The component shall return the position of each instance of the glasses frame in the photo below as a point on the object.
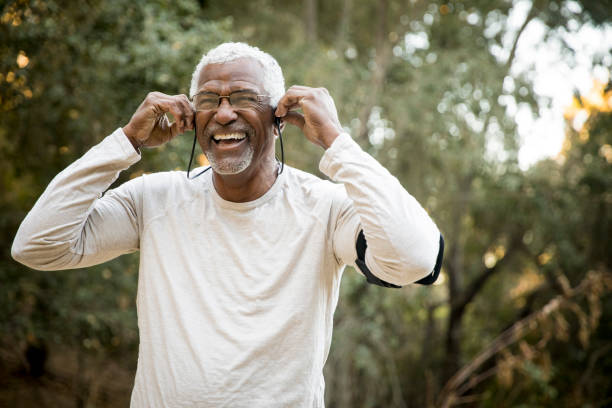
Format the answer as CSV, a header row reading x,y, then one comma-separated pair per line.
x,y
260,99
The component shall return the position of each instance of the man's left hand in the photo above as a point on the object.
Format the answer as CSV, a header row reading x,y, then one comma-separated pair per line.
x,y
319,121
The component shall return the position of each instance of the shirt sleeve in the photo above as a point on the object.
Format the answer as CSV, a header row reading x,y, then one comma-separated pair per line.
x,y
403,243
72,224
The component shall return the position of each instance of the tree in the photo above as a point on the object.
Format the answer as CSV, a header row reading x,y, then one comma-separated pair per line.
x,y
70,75
555,353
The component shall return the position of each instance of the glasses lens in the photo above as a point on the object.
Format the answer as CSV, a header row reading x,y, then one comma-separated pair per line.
x,y
244,99
206,101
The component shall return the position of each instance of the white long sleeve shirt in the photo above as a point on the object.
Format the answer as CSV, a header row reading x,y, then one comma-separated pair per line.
x,y
235,300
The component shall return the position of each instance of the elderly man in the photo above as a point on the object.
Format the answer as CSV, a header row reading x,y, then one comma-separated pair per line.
x,y
239,268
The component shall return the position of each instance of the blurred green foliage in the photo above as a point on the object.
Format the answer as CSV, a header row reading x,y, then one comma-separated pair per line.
x,y
420,87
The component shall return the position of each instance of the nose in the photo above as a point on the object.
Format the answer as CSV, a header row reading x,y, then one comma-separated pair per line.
x,y
225,112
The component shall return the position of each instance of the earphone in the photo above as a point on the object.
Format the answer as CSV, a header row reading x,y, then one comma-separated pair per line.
x,y
277,122
195,137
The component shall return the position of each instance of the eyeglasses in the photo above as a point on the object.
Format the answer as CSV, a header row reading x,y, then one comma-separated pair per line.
x,y
238,99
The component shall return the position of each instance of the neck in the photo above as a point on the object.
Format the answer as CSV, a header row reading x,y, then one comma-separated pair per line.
x,y
248,185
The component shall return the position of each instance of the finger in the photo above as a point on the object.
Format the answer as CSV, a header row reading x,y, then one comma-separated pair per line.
x,y
176,129
296,119
174,106
169,130
185,118
292,99
177,105
188,112
300,87
283,108
163,127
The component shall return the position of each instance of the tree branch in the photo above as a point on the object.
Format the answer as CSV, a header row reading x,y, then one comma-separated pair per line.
x,y
530,16
450,392
478,283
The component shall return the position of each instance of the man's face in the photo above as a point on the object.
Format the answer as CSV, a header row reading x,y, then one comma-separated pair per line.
x,y
235,139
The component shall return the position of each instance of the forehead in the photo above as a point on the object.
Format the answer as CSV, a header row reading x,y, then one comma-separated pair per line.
x,y
237,74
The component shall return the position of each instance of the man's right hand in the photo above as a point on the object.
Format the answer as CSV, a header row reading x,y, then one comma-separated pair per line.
x,y
149,126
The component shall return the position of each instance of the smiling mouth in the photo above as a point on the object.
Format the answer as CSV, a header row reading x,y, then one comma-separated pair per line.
x,y
229,138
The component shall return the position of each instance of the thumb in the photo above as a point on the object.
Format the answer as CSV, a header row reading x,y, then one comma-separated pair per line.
x,y
295,118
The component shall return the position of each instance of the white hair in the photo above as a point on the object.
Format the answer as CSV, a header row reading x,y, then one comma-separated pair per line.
x,y
273,81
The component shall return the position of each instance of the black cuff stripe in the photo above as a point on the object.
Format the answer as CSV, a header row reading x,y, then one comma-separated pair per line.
x,y
433,276
361,247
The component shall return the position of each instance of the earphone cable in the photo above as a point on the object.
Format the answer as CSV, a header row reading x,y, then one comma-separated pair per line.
x,y
195,136
280,137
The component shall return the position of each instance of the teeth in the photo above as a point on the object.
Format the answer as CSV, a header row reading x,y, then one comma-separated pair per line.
x,y
238,136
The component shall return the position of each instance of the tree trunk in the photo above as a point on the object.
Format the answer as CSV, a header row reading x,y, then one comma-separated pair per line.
x,y
455,272
343,26
460,296
81,387
379,73
310,14
453,344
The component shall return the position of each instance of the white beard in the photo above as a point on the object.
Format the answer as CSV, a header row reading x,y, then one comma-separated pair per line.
x,y
229,165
